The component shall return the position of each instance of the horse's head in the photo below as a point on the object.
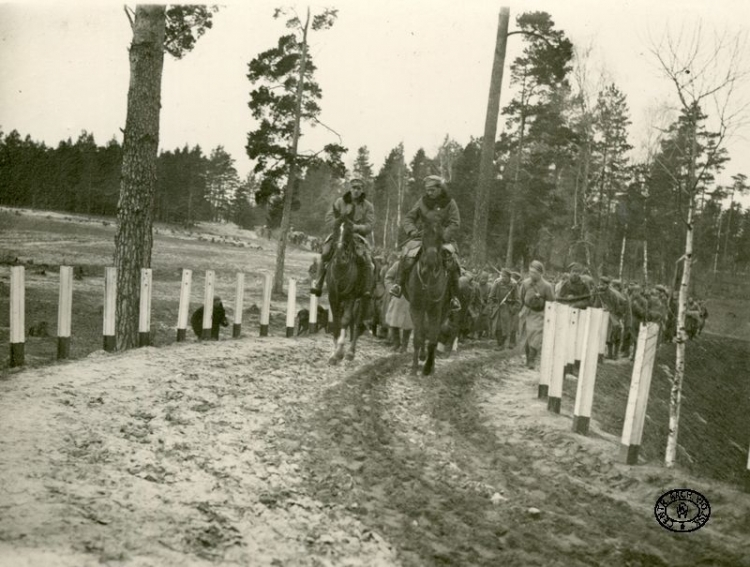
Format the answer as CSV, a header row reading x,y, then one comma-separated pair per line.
x,y
432,240
343,234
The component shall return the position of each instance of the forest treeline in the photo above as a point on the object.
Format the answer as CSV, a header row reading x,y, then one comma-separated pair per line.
x,y
567,183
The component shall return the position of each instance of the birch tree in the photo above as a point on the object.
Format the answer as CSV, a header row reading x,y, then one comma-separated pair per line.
x,y
706,73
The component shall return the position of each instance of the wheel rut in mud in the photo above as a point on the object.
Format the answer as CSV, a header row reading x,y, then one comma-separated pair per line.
x,y
419,460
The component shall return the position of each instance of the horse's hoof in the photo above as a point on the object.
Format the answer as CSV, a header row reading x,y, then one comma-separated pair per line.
x,y
333,361
350,356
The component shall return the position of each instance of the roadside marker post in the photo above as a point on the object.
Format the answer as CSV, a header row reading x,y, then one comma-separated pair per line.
x,y
291,304
110,296
591,322
265,308
144,312
182,313
548,346
17,316
640,383
239,298
313,319
559,356
64,312
208,305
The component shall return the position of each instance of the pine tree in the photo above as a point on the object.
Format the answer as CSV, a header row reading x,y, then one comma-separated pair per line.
x,y
286,96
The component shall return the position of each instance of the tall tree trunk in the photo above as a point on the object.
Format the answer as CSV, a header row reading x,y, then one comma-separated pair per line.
x,y
728,230
584,198
286,218
487,160
622,255
134,236
516,176
385,223
718,245
675,396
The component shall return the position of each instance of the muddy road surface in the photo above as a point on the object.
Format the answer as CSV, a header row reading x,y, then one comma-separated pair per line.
x,y
256,452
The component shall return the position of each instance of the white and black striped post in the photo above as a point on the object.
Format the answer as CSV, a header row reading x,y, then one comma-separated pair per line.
x,y
110,297
144,311
184,309
581,336
239,298
64,312
208,305
265,308
291,307
640,383
548,346
313,320
17,316
559,357
591,321
604,329
571,336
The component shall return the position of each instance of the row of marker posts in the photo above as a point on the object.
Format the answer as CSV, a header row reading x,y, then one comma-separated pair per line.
x,y
570,335
65,307
579,335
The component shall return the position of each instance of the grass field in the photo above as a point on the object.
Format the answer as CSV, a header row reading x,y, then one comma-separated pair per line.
x,y
45,241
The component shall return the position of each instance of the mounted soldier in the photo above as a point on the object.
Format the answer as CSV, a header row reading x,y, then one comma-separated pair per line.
x,y
435,201
361,212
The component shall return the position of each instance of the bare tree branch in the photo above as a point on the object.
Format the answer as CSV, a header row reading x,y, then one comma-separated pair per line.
x,y
129,13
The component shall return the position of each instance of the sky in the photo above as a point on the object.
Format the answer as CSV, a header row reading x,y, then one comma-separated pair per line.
x,y
391,71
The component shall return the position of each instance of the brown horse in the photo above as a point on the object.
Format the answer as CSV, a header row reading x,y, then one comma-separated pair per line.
x,y
345,289
426,291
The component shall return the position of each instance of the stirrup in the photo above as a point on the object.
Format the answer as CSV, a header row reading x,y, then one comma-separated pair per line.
x,y
316,290
455,304
395,290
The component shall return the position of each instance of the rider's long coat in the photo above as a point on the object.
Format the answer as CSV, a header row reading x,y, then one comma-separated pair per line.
x,y
444,206
361,211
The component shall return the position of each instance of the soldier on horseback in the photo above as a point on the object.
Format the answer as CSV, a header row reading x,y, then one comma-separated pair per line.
x,y
436,201
361,212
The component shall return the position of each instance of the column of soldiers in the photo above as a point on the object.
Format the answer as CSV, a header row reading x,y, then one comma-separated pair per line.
x,y
513,302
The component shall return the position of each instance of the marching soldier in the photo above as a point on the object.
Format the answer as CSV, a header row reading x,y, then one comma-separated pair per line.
x,y
506,304
574,291
535,292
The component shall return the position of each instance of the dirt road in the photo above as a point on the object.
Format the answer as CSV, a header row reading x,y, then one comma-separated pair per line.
x,y
255,452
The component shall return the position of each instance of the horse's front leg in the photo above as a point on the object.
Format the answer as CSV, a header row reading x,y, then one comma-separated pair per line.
x,y
431,333
339,336
356,312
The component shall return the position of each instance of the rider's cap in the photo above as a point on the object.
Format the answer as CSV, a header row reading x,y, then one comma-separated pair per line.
x,y
506,272
516,275
356,182
536,266
575,267
434,180
662,289
604,280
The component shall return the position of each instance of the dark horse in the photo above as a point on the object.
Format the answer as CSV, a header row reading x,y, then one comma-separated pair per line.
x,y
427,293
345,288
